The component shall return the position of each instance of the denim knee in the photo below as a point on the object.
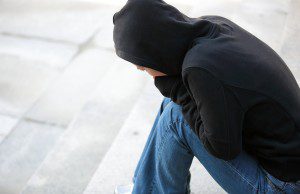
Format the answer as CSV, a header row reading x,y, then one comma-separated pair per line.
x,y
172,120
172,113
165,102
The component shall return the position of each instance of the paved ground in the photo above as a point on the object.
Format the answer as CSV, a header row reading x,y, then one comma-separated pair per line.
x,y
64,94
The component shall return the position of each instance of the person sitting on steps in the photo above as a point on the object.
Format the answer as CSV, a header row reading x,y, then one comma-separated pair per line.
x,y
229,100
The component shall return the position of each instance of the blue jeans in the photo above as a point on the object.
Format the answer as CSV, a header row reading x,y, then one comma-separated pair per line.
x,y
167,156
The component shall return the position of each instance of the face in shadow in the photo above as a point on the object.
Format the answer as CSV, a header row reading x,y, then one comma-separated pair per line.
x,y
150,71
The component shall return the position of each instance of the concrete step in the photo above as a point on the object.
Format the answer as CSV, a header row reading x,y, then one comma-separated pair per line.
x,y
54,20
118,165
119,162
22,151
263,18
7,124
273,21
291,39
52,54
71,163
22,82
66,95
201,181
225,8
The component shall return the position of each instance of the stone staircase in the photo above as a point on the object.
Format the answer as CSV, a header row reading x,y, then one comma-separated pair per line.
x,y
73,116
119,163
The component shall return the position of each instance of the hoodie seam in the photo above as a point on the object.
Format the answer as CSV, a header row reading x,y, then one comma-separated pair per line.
x,y
227,120
213,30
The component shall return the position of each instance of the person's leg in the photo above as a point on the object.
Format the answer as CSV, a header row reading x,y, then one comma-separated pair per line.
x,y
163,104
240,175
164,166
165,161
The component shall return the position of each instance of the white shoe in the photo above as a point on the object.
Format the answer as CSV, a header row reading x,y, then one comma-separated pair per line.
x,y
124,189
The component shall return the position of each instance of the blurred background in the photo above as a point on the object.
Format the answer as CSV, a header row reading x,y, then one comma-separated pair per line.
x,y
73,116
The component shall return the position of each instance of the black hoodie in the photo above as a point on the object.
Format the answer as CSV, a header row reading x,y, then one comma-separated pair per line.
x,y
235,91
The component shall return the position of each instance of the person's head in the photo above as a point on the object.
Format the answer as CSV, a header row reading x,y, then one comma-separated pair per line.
x,y
155,35
150,71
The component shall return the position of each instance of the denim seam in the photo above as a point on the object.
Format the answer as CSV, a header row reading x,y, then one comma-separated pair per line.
x,y
152,185
272,184
162,143
233,168
210,137
188,188
275,187
293,186
186,146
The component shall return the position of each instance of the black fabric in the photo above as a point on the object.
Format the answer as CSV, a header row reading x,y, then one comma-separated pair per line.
x,y
163,84
154,34
173,87
235,91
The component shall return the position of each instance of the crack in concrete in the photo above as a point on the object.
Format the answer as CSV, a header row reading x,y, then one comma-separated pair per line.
x,y
22,36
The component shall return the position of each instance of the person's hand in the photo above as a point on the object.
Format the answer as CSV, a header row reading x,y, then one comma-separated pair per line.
x,y
166,84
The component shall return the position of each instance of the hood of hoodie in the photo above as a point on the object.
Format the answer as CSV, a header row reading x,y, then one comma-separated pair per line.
x,y
154,34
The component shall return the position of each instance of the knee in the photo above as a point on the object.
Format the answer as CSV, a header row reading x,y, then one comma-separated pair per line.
x,y
172,122
172,113
165,102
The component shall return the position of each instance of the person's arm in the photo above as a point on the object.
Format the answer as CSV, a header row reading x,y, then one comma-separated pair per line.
x,y
172,87
221,114
211,110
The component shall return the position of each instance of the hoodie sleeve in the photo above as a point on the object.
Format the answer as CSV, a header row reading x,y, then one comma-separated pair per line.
x,y
218,115
173,87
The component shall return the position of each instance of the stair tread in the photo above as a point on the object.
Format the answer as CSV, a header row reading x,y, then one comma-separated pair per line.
x,y
82,146
118,165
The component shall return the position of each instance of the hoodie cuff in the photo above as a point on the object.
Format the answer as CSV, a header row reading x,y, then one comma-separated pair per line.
x,y
165,84
171,87
179,93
